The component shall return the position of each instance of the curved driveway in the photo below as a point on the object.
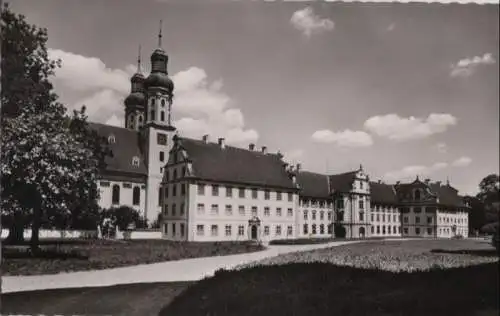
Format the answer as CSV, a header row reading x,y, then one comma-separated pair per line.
x,y
170,271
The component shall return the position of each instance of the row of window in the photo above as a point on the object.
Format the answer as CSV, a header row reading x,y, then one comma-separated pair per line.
x,y
419,231
321,215
242,192
214,209
377,217
115,193
452,220
386,229
383,209
173,211
417,220
315,203
174,174
314,229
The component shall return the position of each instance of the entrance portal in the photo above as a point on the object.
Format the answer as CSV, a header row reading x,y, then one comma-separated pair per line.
x,y
253,233
361,232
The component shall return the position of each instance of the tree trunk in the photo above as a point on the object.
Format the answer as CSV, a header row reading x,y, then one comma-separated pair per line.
x,y
16,230
35,228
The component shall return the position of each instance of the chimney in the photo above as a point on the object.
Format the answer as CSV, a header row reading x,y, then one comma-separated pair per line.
x,y
251,146
222,144
264,149
205,139
298,167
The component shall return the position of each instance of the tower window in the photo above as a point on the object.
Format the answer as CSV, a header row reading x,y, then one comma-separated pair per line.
x,y
152,115
140,118
162,102
135,161
136,196
152,101
115,198
162,116
111,139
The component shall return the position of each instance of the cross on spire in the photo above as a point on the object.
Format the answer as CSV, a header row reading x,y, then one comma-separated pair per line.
x,y
139,60
159,34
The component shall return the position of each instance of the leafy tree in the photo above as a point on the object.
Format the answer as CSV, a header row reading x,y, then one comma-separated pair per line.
x,y
50,161
122,217
489,195
477,214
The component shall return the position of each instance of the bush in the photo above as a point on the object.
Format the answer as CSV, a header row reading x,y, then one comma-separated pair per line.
x,y
301,241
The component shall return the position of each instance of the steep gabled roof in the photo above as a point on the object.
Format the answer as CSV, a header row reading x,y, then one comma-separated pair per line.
x,y
447,195
314,185
235,165
381,193
342,182
125,147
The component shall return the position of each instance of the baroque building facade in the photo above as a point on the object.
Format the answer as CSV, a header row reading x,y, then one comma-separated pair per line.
x,y
209,191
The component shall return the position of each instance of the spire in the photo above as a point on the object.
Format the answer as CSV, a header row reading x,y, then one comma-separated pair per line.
x,y
159,35
139,60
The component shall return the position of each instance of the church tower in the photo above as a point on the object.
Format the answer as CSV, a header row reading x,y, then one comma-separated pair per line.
x,y
158,131
135,101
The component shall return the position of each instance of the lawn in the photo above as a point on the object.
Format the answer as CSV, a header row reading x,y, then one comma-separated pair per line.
x,y
396,255
77,255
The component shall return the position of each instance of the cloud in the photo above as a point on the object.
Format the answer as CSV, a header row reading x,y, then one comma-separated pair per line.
x,y
397,128
467,66
309,23
200,103
293,156
346,138
442,147
410,172
462,162
391,27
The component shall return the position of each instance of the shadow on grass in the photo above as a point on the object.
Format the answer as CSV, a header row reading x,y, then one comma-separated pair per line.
x,y
52,253
473,252
324,289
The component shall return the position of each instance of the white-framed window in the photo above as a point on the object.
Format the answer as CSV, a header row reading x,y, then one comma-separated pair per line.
x,y
200,208
254,210
278,196
214,230
278,230
289,212
201,189
278,211
229,192
266,230
289,230
215,190
305,215
241,209
267,212
228,230
111,139
214,209
136,161
290,196
229,209
241,230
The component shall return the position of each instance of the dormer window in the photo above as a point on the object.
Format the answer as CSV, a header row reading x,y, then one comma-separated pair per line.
x,y
162,102
417,195
135,161
111,139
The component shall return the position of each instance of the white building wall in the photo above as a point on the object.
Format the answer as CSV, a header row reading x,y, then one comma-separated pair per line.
x,y
310,214
126,195
381,218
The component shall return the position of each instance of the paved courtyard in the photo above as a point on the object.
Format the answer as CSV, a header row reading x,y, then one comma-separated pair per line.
x,y
170,271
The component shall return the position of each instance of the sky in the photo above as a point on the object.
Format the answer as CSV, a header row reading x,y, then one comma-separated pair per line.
x,y
403,89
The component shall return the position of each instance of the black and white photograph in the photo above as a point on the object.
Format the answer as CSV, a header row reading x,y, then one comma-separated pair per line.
x,y
244,157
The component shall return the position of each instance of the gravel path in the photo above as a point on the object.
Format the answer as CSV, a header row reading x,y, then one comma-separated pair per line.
x,y
171,271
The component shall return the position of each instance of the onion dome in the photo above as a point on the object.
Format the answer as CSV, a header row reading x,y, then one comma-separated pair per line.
x,y
136,99
159,74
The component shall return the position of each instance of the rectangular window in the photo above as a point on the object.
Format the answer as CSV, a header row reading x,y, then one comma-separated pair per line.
x,y
417,209
200,208
371,217
383,230
372,229
174,210
289,230
314,229
405,219
267,212
395,218
254,193
215,209
182,229
321,215
104,184
200,230
241,230
429,231
228,230
329,215
378,229
182,209
215,190
417,219
229,209
361,204
305,215
161,139
241,210
229,192
165,210
289,212
162,156
201,189
165,229
313,215
278,230
266,230
417,230
321,229
278,196
340,204
429,220
214,230
173,229
290,197
166,191
254,210
278,211
267,195
361,217
183,189
241,193
330,229
174,190
405,231
160,196
305,229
